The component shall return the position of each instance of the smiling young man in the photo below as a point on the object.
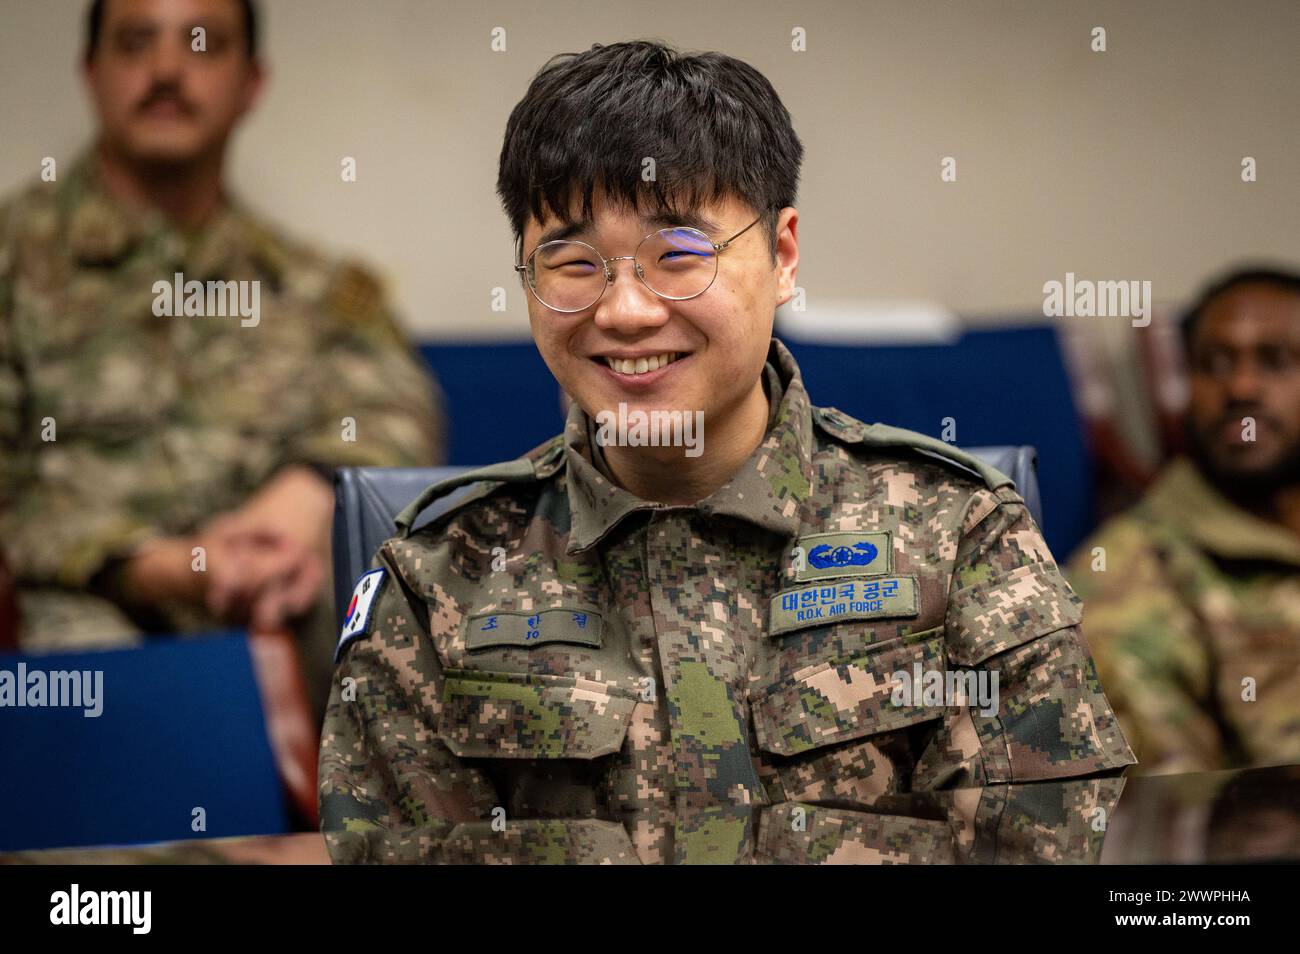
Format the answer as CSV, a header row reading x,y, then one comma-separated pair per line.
x,y
612,650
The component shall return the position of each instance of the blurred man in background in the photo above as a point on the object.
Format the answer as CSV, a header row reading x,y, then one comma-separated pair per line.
x,y
177,378
1192,598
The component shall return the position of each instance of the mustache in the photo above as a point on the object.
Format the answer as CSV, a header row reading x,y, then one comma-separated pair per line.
x,y
166,93
1235,413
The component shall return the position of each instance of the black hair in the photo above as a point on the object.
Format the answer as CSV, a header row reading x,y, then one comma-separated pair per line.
x,y
714,126
1272,277
95,25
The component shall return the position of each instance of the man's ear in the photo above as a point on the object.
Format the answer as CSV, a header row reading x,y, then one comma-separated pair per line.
x,y
254,83
787,254
87,70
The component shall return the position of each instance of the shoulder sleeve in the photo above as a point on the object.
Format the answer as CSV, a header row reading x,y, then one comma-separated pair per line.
x,y
390,789
1006,588
376,403
1012,614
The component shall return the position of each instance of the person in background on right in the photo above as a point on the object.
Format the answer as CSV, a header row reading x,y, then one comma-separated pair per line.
x,y
1192,597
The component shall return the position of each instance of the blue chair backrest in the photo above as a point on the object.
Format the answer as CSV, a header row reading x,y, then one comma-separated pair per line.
x,y
180,728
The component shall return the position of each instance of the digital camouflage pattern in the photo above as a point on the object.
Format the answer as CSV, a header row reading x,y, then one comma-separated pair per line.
x,y
163,422
1060,822
667,741
1197,597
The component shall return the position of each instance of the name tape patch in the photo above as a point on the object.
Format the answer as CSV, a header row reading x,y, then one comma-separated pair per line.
x,y
839,601
580,626
357,619
831,555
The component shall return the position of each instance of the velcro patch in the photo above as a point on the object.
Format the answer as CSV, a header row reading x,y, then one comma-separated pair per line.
x,y
842,600
580,626
830,555
357,619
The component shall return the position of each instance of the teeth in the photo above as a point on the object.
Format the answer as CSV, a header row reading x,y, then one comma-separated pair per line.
x,y
642,365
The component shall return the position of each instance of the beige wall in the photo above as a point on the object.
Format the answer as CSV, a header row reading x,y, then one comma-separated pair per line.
x,y
1116,165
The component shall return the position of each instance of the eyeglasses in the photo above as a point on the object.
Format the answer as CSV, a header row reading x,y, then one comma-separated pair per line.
x,y
674,263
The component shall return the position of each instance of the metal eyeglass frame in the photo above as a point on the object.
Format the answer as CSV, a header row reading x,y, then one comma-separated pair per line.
x,y
718,247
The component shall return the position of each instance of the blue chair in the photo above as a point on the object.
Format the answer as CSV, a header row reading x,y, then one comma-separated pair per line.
x,y
181,728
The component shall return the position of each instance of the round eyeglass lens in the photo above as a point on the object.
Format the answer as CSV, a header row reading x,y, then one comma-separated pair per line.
x,y
566,276
677,263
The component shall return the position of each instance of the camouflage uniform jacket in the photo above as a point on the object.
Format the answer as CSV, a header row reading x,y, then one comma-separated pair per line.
x,y
118,425
559,670
1195,621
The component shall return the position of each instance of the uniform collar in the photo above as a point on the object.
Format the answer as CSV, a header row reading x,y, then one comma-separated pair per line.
x,y
770,489
1182,496
103,230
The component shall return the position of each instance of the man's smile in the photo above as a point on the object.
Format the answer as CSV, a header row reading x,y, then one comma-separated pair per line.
x,y
638,370
640,363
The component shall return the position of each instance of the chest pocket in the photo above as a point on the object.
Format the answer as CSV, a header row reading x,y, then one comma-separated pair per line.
x,y
846,694
529,716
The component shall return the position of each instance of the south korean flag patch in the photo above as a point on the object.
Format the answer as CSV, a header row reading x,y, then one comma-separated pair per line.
x,y
357,619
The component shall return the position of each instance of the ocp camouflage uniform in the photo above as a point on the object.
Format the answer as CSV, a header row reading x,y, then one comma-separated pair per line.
x,y
557,670
160,423
1195,621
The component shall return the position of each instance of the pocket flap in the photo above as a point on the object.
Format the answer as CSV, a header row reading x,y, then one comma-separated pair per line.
x,y
844,699
523,716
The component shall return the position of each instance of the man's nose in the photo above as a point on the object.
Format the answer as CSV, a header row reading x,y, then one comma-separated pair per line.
x,y
1245,384
628,305
168,60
